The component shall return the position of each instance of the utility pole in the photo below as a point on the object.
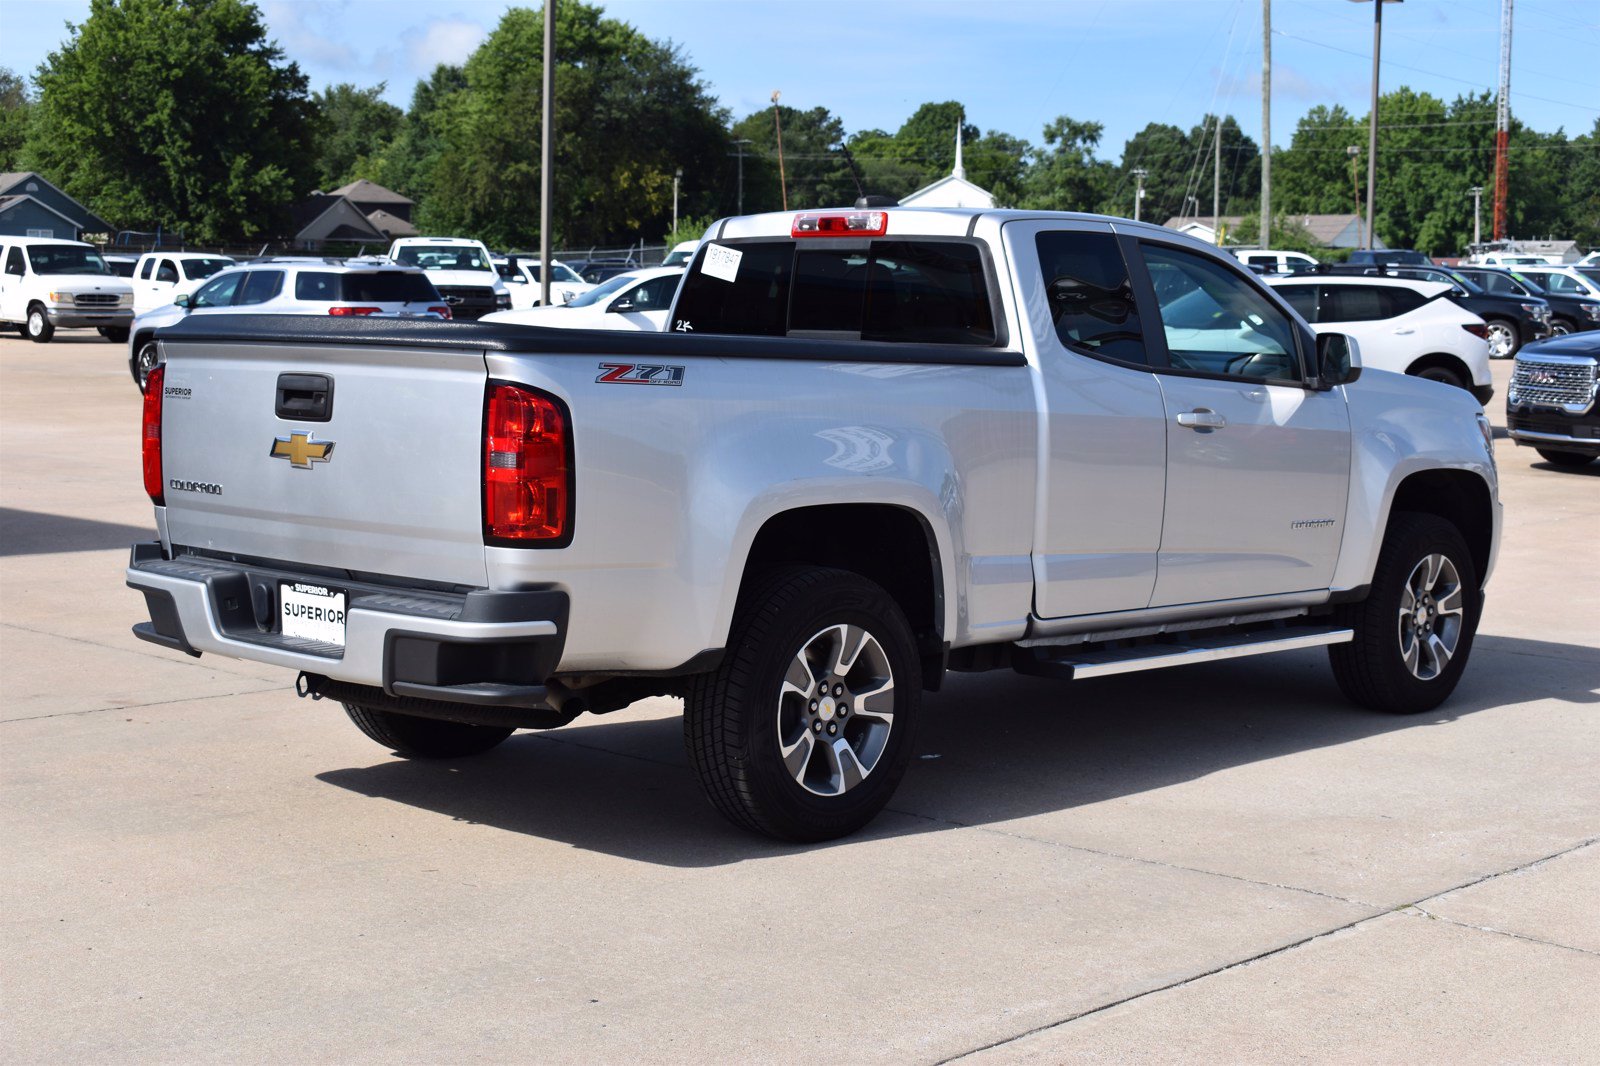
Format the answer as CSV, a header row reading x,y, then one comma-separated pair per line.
x,y
777,124
547,149
677,176
1477,227
1266,123
1216,188
1372,124
1139,174
1354,152
739,144
1502,126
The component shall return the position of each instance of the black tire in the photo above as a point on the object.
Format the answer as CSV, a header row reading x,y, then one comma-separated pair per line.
x,y
1372,669
1503,332
38,328
145,361
1560,327
424,738
737,717
1564,458
114,334
1442,374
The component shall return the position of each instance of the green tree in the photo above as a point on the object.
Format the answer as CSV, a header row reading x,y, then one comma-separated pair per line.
x,y
1064,175
629,111
1313,175
1169,160
815,169
407,163
177,113
14,110
352,126
1582,223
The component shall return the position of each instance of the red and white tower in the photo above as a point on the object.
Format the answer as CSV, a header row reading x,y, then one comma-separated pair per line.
x,y
1502,126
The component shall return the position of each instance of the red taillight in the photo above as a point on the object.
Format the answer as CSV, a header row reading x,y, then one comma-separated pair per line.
x,y
345,311
150,438
842,224
527,480
443,311
1477,329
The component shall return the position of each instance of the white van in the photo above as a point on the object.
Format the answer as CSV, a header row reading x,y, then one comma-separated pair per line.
x,y
46,285
161,277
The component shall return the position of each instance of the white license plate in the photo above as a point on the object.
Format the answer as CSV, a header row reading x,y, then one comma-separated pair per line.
x,y
311,612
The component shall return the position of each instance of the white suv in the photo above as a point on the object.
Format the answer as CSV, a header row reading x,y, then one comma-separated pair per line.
x,y
521,277
1272,261
290,287
1404,326
46,285
1578,280
161,277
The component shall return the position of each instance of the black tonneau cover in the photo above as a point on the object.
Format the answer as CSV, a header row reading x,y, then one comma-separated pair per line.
x,y
538,340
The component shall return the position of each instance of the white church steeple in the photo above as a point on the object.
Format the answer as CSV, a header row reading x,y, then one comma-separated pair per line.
x,y
960,171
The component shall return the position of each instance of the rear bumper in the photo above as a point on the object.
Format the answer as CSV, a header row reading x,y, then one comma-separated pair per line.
x,y
478,647
1483,394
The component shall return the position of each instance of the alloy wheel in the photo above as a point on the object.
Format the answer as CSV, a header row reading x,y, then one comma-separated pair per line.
x,y
835,710
1431,616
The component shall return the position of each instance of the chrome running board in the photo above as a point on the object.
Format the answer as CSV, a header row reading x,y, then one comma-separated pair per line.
x,y
1180,651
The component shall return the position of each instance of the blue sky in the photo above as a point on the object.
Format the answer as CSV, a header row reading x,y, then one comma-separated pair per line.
x,y
1015,65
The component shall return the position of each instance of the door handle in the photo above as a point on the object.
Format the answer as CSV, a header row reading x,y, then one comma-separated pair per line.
x,y
1403,330
1200,418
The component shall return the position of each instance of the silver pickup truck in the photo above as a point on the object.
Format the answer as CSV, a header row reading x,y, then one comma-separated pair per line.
x,y
875,446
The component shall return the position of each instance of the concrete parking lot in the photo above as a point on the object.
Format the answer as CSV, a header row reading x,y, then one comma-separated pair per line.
x,y
1218,863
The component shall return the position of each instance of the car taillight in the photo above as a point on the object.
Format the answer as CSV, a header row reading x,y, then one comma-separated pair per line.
x,y
527,477
150,438
442,310
345,311
841,224
1477,329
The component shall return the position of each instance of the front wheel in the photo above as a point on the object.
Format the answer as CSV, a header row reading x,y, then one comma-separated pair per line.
x,y
39,327
1503,340
1560,327
424,738
1564,458
114,334
805,729
1414,630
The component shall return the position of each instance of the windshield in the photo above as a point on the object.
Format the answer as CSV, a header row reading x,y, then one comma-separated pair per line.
x,y
603,291
1533,285
559,272
203,268
66,259
442,257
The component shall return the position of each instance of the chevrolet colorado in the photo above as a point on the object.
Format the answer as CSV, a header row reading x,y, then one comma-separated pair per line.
x,y
875,446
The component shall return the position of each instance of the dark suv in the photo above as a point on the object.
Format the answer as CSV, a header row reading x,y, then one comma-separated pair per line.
x,y
1569,313
1552,405
1367,257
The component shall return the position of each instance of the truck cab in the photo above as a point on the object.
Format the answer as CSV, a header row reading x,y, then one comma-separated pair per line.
x,y
462,270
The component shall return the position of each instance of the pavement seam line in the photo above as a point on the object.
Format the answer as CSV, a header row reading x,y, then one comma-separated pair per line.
x,y
1419,911
137,706
1264,955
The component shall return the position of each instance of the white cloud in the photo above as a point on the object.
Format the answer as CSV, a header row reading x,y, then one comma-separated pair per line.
x,y
441,40
308,34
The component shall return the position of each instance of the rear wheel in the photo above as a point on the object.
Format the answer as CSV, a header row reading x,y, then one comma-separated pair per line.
x,y
144,362
1503,340
1564,458
805,729
1414,630
1442,374
39,328
424,738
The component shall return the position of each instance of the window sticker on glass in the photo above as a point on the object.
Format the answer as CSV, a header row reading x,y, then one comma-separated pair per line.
x,y
722,263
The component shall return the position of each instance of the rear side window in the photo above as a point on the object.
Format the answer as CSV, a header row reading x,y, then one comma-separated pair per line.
x,y
931,292
1090,294
387,286
1367,303
316,285
260,286
1303,298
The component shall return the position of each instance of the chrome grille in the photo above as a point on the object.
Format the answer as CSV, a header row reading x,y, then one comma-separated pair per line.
x,y
96,299
1569,386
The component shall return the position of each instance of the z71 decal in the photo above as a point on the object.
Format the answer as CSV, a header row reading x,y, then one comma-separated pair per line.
x,y
639,374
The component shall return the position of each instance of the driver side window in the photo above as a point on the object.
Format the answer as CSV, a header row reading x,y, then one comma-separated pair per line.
x,y
218,293
1216,322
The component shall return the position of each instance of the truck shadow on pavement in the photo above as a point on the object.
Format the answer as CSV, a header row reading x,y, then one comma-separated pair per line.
x,y
38,533
990,748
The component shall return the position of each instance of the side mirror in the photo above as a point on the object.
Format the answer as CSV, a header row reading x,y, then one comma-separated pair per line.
x,y
621,306
1338,359
184,301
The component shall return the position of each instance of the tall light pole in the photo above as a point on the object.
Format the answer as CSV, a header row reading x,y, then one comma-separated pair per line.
x,y
777,124
1139,174
1372,125
1477,221
1266,123
547,149
677,176
1216,189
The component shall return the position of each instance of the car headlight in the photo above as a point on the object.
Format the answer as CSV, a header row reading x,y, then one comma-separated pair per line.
x,y
1488,436
1537,310
1592,311
502,300
60,297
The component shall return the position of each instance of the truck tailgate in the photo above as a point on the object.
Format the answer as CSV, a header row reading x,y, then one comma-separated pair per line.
x,y
388,483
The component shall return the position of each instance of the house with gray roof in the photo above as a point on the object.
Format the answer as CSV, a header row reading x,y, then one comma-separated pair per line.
x,y
30,206
360,211
1330,231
